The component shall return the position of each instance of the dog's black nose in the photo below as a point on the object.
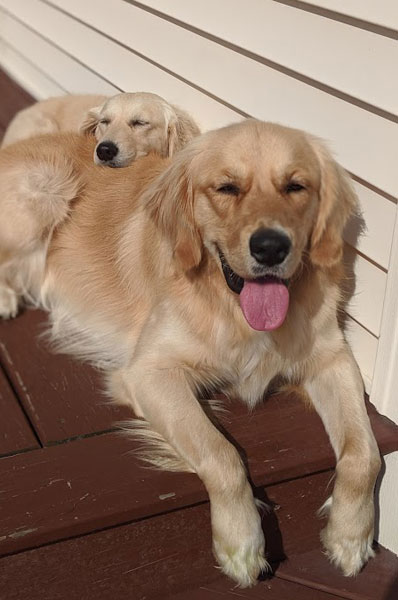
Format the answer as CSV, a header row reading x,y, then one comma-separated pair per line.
x,y
107,150
269,246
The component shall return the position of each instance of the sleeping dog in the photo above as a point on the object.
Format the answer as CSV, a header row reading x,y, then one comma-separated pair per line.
x,y
126,126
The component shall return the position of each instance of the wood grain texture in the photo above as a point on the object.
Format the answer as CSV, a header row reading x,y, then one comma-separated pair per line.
x,y
170,553
156,556
272,589
16,433
62,397
95,482
378,580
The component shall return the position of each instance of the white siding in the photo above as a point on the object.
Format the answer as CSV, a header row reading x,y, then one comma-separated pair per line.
x,y
380,12
221,60
364,346
378,215
364,142
27,74
69,74
287,36
388,526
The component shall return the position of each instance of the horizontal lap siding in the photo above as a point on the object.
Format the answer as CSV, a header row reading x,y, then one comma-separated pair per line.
x,y
365,143
364,346
376,223
378,12
68,73
34,80
287,36
227,59
115,63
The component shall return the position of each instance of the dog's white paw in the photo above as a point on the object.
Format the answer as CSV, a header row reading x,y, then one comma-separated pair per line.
x,y
243,564
350,554
348,536
8,303
238,545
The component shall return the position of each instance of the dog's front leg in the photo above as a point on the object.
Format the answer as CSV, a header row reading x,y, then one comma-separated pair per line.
x,y
338,396
166,400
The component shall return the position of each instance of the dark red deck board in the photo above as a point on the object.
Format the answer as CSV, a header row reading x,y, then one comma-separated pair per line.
x,y
89,484
273,589
15,432
62,397
170,553
313,569
312,578
95,482
136,561
156,556
13,98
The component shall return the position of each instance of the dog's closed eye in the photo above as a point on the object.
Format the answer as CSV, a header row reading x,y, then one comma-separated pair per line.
x,y
138,123
104,121
229,189
294,186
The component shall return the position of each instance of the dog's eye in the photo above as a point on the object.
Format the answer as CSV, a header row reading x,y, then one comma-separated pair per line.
x,y
294,186
230,189
138,123
104,121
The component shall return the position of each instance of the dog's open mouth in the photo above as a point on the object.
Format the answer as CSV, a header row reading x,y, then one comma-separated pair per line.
x,y
264,301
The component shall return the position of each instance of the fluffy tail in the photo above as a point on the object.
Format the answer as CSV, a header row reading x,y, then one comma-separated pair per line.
x,y
49,188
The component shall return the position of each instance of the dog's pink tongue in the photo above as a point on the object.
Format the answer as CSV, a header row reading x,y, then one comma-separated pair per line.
x,y
264,303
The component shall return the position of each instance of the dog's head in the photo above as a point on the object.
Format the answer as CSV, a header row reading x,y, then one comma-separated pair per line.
x,y
259,198
128,126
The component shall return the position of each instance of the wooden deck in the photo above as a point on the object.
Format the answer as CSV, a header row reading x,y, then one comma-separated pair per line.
x,y
80,518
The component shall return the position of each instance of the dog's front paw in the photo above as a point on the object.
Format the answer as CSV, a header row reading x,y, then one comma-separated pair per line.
x,y
8,303
238,544
348,553
243,563
348,536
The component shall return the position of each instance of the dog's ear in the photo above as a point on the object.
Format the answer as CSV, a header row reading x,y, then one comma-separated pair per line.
x,y
170,203
90,121
337,202
181,130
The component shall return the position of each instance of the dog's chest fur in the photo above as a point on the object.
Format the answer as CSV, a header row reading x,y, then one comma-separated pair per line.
x,y
241,366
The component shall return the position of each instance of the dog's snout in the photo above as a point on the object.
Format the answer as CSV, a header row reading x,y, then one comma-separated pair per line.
x,y
269,246
107,150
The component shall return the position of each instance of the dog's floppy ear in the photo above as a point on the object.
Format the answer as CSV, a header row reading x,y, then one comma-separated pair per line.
x,y
90,121
337,202
170,202
181,130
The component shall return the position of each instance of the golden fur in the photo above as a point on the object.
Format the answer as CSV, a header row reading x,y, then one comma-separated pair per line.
x,y
137,123
133,282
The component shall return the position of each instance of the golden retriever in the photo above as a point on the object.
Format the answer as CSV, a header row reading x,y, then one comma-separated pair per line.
x,y
221,267
126,126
